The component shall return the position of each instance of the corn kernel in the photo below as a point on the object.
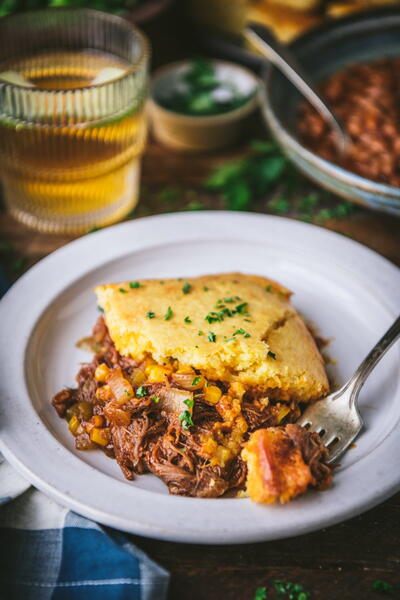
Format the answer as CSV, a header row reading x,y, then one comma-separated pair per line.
x,y
237,389
223,455
138,377
101,373
73,424
95,421
148,363
158,374
212,394
100,436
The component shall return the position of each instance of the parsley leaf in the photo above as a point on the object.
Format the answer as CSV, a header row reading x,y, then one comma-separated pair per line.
x,y
196,380
156,399
135,284
261,593
141,391
122,290
241,309
225,175
211,337
186,288
242,332
150,315
272,354
100,309
187,320
189,402
382,586
168,314
186,419
237,196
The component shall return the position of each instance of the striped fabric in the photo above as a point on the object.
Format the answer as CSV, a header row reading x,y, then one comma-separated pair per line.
x,y
51,553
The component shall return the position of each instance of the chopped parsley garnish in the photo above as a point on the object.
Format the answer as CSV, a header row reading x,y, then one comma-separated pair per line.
x,y
186,419
135,284
100,309
127,393
201,91
261,593
241,309
205,288
156,399
186,288
187,320
223,311
150,315
214,317
196,380
268,288
122,290
168,314
242,332
291,590
161,281
189,402
200,333
272,354
211,337
141,392
382,586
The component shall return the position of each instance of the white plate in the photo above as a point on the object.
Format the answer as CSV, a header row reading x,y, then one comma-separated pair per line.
x,y
349,292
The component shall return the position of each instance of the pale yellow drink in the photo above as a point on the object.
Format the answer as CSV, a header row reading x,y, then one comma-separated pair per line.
x,y
70,152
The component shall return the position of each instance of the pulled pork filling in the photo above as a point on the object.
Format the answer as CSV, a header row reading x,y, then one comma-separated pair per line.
x,y
170,421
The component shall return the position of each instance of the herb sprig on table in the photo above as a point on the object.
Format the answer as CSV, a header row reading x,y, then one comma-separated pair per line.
x,y
283,590
267,172
294,591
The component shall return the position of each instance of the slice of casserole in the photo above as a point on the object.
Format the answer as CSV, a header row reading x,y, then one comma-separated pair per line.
x,y
185,370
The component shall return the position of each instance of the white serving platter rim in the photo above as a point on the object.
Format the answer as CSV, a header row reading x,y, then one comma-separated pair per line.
x,y
53,469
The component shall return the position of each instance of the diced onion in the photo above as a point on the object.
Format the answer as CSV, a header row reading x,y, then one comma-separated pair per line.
x,y
120,387
185,380
173,400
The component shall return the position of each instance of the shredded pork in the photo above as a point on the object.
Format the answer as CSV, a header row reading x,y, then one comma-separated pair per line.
x,y
144,434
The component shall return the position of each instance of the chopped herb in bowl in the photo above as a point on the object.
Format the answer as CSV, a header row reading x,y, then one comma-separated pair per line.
x,y
201,90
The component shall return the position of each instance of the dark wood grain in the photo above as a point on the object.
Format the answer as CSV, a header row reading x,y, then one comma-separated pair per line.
x,y
340,562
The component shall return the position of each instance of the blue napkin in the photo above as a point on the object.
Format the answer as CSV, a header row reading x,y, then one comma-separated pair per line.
x,y
51,553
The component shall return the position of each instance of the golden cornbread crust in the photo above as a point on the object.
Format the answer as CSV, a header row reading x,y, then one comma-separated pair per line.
x,y
263,344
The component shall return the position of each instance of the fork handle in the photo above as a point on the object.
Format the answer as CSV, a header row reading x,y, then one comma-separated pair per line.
x,y
355,383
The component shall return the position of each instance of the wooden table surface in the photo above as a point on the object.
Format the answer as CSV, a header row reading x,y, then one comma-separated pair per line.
x,y
339,562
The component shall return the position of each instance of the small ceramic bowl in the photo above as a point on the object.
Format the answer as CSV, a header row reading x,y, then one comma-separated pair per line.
x,y
322,51
187,133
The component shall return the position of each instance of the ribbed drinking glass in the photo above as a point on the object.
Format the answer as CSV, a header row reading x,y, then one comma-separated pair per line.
x,y
73,85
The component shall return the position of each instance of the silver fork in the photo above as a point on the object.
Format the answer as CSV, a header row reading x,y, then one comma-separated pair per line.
x,y
336,417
